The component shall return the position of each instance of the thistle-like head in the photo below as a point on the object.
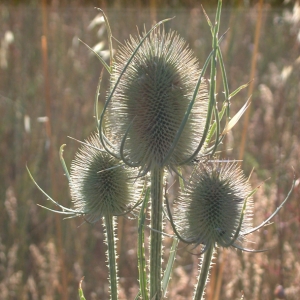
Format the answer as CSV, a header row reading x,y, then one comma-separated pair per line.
x,y
212,208
151,99
99,184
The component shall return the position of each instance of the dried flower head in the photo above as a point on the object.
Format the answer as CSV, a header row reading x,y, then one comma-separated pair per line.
x,y
151,99
210,209
99,184
216,207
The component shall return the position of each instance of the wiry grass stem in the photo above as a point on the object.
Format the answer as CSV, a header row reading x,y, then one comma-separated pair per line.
x,y
111,256
204,272
157,175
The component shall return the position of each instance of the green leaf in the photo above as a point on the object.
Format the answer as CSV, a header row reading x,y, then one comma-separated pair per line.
x,y
96,99
214,125
170,264
61,151
238,89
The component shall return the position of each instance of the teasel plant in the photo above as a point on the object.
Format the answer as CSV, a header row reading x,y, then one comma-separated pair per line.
x,y
160,115
101,187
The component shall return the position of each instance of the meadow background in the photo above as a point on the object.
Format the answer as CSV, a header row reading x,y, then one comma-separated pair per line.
x,y
47,85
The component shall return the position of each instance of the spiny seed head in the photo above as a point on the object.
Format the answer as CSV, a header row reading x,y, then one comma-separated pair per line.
x,y
99,185
210,208
152,98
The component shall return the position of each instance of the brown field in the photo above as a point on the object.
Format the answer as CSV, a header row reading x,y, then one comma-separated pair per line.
x,y
46,72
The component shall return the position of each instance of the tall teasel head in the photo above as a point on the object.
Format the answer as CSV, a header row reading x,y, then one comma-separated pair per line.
x,y
216,206
146,111
100,185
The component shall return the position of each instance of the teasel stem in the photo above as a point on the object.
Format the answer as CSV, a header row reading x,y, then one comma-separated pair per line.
x,y
141,248
204,272
111,256
157,175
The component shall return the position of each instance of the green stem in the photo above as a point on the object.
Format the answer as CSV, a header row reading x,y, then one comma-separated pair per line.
x,y
141,248
111,256
157,175
203,277
169,267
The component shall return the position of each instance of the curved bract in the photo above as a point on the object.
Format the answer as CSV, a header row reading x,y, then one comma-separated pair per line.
x,y
145,113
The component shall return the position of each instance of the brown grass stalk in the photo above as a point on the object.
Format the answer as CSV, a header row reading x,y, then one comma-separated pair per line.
x,y
252,74
63,291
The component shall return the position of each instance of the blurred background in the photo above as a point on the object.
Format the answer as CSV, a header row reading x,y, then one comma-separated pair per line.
x,y
47,84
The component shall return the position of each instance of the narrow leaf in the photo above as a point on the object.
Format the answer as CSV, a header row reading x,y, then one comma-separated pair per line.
x,y
109,35
61,151
169,268
235,119
239,89
207,19
96,99
214,125
80,291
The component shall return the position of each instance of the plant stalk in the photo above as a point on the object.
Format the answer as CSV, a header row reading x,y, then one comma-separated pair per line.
x,y
111,256
157,175
141,248
204,273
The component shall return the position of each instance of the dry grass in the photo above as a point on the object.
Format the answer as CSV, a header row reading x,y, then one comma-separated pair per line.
x,y
32,256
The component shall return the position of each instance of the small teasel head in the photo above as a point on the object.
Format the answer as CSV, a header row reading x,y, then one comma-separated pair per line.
x,y
147,109
100,185
212,209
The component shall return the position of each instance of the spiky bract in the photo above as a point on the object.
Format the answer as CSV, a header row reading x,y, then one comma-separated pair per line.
x,y
209,211
152,98
99,184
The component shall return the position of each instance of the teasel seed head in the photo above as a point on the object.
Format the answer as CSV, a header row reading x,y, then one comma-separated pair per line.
x,y
210,209
99,184
152,98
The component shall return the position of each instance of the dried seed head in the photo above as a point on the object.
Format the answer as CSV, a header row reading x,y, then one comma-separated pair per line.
x,y
152,98
99,185
210,209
